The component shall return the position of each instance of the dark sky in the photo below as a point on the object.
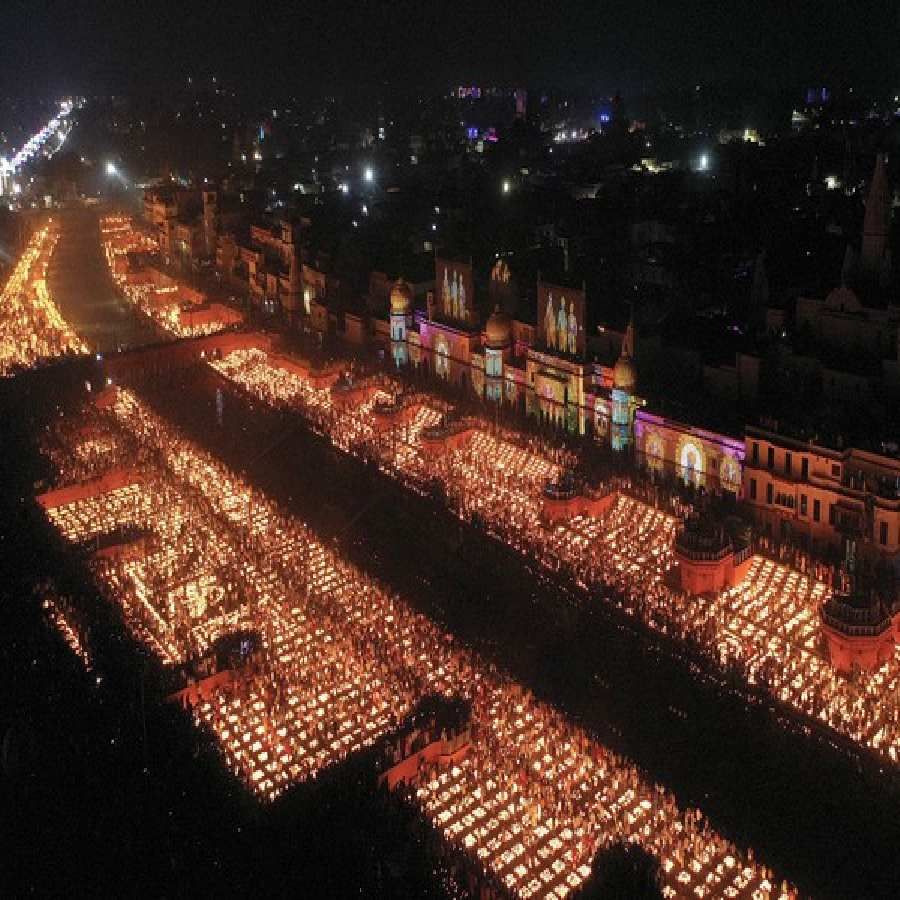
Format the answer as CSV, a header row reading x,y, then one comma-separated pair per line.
x,y
309,44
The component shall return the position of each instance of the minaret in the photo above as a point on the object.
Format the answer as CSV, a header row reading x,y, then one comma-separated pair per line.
x,y
624,401
876,224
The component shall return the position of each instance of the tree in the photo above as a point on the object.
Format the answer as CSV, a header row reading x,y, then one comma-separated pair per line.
x,y
623,871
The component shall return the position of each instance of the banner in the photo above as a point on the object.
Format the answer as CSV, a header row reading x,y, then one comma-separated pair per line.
x,y
560,319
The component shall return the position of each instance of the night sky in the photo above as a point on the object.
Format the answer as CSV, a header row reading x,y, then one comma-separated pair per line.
x,y
87,45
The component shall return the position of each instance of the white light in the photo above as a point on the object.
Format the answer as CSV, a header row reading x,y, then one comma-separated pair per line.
x,y
704,162
111,169
369,175
433,227
345,188
507,187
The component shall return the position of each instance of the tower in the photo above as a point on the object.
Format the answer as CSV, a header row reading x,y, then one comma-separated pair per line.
x,y
497,352
875,256
401,320
624,401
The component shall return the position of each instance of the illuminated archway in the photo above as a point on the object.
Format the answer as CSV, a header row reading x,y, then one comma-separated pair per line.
x,y
691,462
730,474
442,359
654,451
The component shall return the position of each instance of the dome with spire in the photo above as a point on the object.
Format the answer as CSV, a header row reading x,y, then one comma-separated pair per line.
x,y
498,330
625,373
401,297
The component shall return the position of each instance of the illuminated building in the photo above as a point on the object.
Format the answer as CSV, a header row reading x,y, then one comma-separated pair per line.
x,y
820,496
700,457
540,368
267,263
623,400
401,320
497,352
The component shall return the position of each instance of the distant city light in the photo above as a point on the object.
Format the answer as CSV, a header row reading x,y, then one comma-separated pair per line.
x,y
368,175
111,169
344,187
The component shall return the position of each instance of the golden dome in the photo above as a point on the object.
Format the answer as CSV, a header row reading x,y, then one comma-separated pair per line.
x,y
498,330
401,297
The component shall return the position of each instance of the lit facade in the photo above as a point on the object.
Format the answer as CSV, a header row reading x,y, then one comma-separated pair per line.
x,y
826,497
697,456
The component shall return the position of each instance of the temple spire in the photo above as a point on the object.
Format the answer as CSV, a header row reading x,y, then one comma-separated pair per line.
x,y
628,340
876,224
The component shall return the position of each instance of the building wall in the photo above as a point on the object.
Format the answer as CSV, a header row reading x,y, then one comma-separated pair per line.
x,y
813,492
705,458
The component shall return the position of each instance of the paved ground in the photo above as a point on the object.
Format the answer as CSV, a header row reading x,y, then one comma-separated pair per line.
x,y
81,285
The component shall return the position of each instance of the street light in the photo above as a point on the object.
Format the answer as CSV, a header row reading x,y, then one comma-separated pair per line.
x,y
507,187
368,174
111,169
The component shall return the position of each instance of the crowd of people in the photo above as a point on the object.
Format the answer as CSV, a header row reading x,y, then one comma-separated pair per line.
x,y
32,329
345,661
766,628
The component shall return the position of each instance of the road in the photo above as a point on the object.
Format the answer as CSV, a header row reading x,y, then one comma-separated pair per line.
x,y
83,289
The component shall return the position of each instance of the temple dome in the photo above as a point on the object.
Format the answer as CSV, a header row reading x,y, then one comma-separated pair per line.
x,y
625,373
401,297
498,330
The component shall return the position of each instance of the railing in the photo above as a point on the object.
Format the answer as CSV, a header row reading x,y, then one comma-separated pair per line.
x,y
690,549
743,554
387,407
555,491
836,615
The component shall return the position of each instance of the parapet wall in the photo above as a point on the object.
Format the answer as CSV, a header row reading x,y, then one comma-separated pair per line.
x,y
96,487
180,354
